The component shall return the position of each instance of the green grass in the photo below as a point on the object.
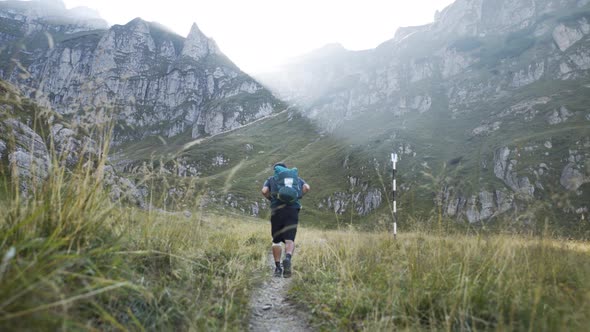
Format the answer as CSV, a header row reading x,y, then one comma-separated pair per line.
x,y
435,281
73,259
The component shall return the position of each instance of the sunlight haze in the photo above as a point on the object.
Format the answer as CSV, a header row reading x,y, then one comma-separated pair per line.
x,y
260,34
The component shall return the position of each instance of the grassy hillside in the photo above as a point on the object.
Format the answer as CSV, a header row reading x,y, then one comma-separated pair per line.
x,y
248,155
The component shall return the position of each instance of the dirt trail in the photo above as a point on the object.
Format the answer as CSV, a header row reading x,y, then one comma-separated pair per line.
x,y
271,311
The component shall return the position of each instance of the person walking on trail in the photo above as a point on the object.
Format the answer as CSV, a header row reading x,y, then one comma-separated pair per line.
x,y
284,190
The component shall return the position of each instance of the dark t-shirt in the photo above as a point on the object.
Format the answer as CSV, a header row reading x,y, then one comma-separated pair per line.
x,y
274,202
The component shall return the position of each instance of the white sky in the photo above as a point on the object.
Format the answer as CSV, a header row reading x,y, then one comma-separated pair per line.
x,y
260,34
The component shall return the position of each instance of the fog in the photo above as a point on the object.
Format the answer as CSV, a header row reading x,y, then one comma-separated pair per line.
x,y
259,35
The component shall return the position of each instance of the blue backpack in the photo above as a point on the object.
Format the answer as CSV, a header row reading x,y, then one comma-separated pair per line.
x,y
288,188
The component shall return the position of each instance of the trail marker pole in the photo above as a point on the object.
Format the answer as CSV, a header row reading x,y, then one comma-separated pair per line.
x,y
394,162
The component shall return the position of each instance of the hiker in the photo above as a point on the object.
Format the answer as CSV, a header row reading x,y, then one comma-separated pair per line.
x,y
284,189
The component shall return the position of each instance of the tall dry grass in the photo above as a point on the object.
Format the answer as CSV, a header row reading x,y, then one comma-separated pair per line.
x,y
73,259
421,281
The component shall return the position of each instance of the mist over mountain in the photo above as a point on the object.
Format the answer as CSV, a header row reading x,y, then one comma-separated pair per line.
x,y
486,106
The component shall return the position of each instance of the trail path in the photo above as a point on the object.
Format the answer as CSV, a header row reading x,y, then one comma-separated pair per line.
x,y
270,309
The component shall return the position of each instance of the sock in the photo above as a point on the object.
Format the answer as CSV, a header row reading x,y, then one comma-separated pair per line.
x,y
288,256
278,265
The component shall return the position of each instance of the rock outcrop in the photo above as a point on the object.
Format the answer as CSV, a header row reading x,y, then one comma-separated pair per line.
x,y
566,36
30,155
40,16
197,45
28,158
504,169
2,149
576,172
477,208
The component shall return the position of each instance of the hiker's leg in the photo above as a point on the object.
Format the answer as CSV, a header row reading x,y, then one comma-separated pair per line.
x,y
275,228
291,222
276,254
289,247
290,232
277,251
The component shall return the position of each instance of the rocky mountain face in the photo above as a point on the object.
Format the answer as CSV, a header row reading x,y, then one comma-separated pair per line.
x,y
34,139
150,80
491,99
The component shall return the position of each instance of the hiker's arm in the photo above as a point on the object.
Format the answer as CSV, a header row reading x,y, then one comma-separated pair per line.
x,y
266,192
266,189
306,188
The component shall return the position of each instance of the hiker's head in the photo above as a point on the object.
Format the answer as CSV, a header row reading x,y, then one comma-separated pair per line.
x,y
279,164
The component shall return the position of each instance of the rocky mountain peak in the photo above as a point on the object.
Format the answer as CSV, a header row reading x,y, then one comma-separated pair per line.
x,y
139,25
197,45
492,17
136,21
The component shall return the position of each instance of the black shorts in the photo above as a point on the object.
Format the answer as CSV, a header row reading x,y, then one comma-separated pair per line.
x,y
283,223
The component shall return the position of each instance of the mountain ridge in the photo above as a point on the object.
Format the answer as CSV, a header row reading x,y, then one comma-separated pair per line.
x,y
152,81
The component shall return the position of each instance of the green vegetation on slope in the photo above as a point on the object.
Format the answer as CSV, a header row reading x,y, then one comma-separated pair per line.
x,y
249,152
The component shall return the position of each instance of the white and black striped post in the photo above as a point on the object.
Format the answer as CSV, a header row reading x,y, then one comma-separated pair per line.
x,y
394,161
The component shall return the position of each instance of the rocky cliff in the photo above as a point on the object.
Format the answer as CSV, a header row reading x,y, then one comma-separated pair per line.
x,y
150,80
34,139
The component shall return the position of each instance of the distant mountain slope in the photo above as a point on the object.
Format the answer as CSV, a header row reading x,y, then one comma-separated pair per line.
x,y
152,81
488,106
228,170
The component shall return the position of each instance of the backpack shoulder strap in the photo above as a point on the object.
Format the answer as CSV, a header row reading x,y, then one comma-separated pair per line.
x,y
272,184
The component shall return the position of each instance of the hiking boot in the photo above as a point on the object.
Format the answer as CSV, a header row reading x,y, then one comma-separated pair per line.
x,y
287,268
278,272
